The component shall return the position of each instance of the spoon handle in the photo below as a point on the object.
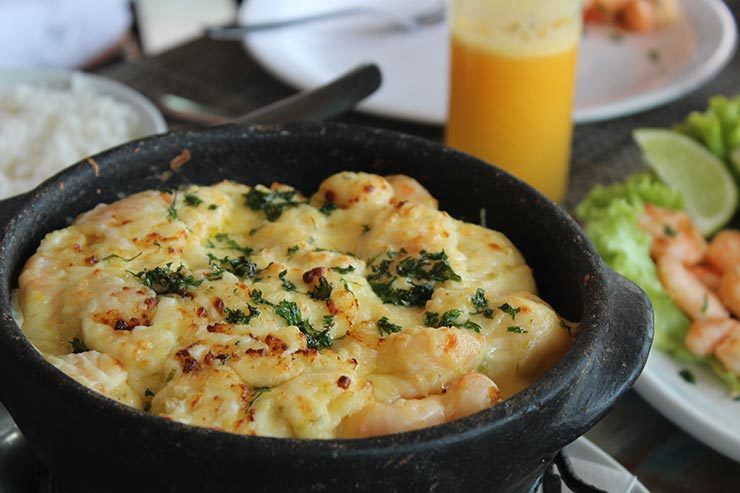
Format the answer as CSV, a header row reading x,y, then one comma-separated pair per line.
x,y
325,101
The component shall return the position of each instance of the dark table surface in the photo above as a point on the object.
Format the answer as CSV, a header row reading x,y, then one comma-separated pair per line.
x,y
663,457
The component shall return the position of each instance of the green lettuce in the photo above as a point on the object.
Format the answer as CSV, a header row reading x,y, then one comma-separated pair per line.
x,y
717,128
610,214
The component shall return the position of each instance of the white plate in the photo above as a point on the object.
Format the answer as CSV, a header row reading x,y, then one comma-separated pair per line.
x,y
596,467
615,78
703,409
150,119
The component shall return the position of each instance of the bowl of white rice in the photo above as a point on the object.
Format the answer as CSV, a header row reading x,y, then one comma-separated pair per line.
x,y
50,119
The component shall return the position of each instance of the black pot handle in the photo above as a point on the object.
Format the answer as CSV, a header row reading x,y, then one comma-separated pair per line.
x,y
630,333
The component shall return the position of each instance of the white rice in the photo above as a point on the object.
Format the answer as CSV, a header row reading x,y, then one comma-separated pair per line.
x,y
43,130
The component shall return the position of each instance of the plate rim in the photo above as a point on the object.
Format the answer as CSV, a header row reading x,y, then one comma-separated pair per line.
x,y
627,106
678,410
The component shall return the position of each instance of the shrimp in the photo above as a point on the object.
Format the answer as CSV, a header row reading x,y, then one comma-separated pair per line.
x,y
468,394
728,351
708,275
406,189
693,297
421,360
724,251
703,336
729,291
673,234
638,16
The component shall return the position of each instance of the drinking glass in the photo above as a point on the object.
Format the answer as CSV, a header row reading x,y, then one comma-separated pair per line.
x,y
512,84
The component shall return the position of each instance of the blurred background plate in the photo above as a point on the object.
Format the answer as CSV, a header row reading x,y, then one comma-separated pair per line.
x,y
150,119
619,73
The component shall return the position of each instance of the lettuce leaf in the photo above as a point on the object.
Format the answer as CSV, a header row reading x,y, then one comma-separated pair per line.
x,y
610,215
717,128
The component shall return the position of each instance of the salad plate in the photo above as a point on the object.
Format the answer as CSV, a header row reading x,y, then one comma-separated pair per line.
x,y
619,73
703,408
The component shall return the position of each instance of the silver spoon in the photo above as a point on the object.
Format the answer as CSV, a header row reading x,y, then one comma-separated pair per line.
x,y
325,101
427,17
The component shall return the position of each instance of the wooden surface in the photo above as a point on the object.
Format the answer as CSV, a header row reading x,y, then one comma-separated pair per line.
x,y
665,459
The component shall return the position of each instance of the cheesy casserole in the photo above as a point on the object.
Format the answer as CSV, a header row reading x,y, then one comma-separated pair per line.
x,y
361,311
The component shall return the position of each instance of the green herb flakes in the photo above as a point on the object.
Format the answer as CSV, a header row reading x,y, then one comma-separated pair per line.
x,y
164,280
192,200
272,203
687,375
385,327
78,345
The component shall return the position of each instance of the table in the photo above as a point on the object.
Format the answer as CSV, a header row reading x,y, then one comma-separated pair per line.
x,y
665,458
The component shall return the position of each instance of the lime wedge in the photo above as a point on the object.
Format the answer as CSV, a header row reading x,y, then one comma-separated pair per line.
x,y
708,189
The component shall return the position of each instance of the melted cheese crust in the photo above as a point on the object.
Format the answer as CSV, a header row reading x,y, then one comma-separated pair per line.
x,y
218,351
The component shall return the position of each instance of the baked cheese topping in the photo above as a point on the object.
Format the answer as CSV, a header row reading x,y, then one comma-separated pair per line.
x,y
361,311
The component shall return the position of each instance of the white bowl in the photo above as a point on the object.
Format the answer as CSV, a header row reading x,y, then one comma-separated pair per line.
x,y
151,120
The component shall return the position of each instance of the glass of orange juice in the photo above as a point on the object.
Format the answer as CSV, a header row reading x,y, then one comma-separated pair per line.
x,y
512,84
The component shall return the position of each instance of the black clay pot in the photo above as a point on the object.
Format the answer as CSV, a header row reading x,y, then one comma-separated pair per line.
x,y
93,444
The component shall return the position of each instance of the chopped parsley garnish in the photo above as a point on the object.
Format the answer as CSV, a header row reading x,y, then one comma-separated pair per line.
x,y
322,290
192,200
480,303
113,255
256,296
213,207
517,329
328,208
669,231
242,267
510,310
164,280
366,228
654,55
148,393
290,312
416,295
239,317
328,321
171,210
426,267
287,284
232,244
687,375
705,303
272,203
170,375
448,319
78,345
344,270
292,250
256,394
386,327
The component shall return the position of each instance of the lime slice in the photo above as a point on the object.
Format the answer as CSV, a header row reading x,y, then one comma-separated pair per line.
x,y
708,189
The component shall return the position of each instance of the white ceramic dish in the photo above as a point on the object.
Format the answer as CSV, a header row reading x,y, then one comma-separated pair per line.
x,y
150,119
618,75
703,409
596,467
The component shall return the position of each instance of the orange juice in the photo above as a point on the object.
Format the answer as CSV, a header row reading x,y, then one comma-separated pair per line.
x,y
513,67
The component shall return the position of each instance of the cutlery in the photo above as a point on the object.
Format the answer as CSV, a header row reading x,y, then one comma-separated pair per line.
x,y
325,101
426,17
